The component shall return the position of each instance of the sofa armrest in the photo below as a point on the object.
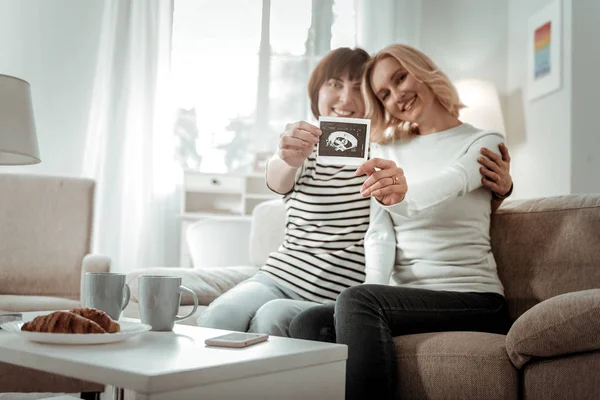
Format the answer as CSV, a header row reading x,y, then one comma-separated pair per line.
x,y
565,324
92,263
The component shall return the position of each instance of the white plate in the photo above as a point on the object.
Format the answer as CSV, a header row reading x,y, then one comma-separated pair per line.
x,y
128,329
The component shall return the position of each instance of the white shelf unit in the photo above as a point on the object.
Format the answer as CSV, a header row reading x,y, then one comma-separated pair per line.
x,y
219,196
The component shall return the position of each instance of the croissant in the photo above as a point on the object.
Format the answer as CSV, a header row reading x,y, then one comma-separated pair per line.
x,y
62,322
99,317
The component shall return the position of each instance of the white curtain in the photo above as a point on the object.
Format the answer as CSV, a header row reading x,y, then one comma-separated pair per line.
x,y
129,147
384,22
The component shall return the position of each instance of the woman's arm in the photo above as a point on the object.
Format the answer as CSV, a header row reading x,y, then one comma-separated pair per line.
x,y
296,143
380,246
459,178
280,176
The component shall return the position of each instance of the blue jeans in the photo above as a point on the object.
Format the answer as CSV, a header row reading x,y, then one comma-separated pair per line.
x,y
258,304
367,317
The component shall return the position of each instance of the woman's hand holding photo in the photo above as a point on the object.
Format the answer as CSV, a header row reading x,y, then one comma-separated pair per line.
x,y
386,181
296,143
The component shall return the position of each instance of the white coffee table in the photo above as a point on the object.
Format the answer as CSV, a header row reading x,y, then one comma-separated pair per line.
x,y
177,365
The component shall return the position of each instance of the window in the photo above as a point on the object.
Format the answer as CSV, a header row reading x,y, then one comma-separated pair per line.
x,y
240,69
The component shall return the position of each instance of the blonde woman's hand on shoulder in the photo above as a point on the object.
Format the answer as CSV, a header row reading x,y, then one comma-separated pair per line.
x,y
297,142
386,181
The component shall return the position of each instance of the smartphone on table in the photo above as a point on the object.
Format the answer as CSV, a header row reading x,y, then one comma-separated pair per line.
x,y
237,339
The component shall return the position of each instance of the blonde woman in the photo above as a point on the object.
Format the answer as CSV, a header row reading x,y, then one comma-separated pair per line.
x,y
429,262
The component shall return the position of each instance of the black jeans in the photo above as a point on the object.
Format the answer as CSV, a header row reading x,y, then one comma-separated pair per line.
x,y
367,317
315,323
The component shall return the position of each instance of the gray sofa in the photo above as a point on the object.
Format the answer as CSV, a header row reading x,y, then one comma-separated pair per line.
x,y
548,256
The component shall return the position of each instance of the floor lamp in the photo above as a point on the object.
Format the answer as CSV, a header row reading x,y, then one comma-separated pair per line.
x,y
483,110
18,139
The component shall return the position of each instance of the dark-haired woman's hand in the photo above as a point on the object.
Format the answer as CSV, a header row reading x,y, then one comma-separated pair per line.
x,y
386,181
495,170
296,143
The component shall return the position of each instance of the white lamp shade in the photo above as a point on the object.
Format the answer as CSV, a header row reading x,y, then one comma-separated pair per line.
x,y
483,104
18,139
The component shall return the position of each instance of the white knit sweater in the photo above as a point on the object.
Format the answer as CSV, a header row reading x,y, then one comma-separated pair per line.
x,y
438,236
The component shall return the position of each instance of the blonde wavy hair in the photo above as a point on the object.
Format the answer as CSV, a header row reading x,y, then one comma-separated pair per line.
x,y
386,128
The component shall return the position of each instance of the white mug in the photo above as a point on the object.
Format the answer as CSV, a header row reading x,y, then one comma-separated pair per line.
x,y
107,292
159,298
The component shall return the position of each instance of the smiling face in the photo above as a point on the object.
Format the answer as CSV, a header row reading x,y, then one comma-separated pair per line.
x,y
334,84
341,97
407,94
404,97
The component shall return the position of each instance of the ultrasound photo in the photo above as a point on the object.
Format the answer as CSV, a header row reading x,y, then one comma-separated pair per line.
x,y
345,141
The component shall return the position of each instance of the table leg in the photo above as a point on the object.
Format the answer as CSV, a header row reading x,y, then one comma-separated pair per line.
x,y
90,395
118,393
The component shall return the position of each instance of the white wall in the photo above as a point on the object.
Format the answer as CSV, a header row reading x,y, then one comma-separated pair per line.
x,y
466,38
539,132
585,131
52,44
384,22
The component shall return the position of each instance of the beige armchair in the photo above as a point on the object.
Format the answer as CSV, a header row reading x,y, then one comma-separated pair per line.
x,y
45,240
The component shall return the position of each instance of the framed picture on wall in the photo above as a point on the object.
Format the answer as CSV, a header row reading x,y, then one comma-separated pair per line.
x,y
544,50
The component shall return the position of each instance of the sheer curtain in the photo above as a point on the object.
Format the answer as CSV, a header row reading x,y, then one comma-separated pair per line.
x,y
236,88
384,22
129,137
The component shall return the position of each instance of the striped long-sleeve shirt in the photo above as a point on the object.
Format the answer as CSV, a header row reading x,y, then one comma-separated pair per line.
x,y
323,251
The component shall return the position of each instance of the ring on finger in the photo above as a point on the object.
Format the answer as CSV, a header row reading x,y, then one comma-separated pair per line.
x,y
395,180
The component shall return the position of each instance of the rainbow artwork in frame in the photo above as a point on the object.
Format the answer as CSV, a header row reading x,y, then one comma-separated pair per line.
x,y
544,51
542,38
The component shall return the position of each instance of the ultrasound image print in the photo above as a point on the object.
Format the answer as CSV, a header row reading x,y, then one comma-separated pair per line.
x,y
343,139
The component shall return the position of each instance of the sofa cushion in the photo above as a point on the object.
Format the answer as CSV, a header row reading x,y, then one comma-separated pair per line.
x,y
455,365
18,303
207,284
267,230
563,378
546,247
569,323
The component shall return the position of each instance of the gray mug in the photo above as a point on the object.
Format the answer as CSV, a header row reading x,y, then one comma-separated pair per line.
x,y
107,292
159,298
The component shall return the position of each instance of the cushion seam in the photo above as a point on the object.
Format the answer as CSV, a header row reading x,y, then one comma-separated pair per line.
x,y
554,210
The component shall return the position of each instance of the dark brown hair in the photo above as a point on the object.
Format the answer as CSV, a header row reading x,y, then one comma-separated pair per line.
x,y
336,64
